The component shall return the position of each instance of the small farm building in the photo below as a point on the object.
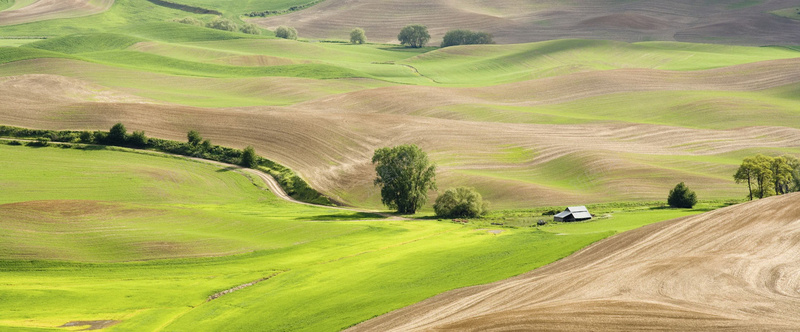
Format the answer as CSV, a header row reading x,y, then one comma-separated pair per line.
x,y
573,213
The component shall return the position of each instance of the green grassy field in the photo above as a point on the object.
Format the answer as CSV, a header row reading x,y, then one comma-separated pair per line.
x,y
158,235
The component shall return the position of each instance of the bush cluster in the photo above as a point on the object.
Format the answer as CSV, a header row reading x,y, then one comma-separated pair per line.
x,y
461,202
285,11
466,37
286,32
190,21
222,24
251,28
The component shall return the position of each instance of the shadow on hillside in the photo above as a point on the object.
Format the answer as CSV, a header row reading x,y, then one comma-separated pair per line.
x,y
341,217
226,169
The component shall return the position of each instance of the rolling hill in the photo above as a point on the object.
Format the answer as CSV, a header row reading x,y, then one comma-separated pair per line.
x,y
730,269
514,21
581,102
628,120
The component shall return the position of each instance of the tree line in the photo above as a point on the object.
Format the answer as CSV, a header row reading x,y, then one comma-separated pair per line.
x,y
195,146
766,176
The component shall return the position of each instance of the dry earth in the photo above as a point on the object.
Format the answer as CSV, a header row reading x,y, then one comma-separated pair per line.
x,y
330,140
516,21
50,9
734,269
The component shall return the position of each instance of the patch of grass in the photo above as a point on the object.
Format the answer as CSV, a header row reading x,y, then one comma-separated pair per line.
x,y
494,64
793,13
745,4
160,64
85,43
15,42
11,54
6,4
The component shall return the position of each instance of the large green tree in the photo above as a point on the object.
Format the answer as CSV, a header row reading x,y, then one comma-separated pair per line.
x,y
118,134
781,174
249,157
414,35
358,36
681,197
794,163
405,175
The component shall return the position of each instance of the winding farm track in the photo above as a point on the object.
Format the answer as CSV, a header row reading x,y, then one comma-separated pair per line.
x,y
51,9
733,269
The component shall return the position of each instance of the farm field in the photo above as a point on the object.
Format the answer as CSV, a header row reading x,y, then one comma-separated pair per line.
x,y
700,272
605,103
158,235
503,118
741,22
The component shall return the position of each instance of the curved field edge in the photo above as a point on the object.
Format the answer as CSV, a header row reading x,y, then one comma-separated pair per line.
x,y
349,271
659,277
291,183
45,10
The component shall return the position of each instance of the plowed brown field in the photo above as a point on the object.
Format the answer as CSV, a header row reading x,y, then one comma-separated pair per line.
x,y
604,160
734,269
51,9
515,21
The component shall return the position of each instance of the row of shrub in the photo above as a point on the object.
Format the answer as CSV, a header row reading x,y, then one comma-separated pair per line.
x,y
195,146
222,24
266,13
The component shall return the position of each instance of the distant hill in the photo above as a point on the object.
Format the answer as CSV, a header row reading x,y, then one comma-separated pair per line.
x,y
514,21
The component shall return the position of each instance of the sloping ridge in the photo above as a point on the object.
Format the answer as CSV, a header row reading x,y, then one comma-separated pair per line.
x,y
734,269
52,9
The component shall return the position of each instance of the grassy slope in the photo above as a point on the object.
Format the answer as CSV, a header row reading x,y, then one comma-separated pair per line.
x,y
495,64
113,208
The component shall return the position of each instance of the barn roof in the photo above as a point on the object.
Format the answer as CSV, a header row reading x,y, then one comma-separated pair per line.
x,y
563,214
582,215
574,209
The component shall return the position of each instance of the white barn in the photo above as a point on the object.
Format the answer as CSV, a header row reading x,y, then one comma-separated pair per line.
x,y
574,213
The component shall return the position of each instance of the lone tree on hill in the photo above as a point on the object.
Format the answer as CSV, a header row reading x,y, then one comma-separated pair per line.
x,y
414,35
682,197
357,36
405,175
286,32
461,202
117,134
249,157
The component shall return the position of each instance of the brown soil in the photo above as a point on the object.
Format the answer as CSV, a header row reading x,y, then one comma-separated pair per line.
x,y
731,269
515,21
93,324
51,9
339,133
